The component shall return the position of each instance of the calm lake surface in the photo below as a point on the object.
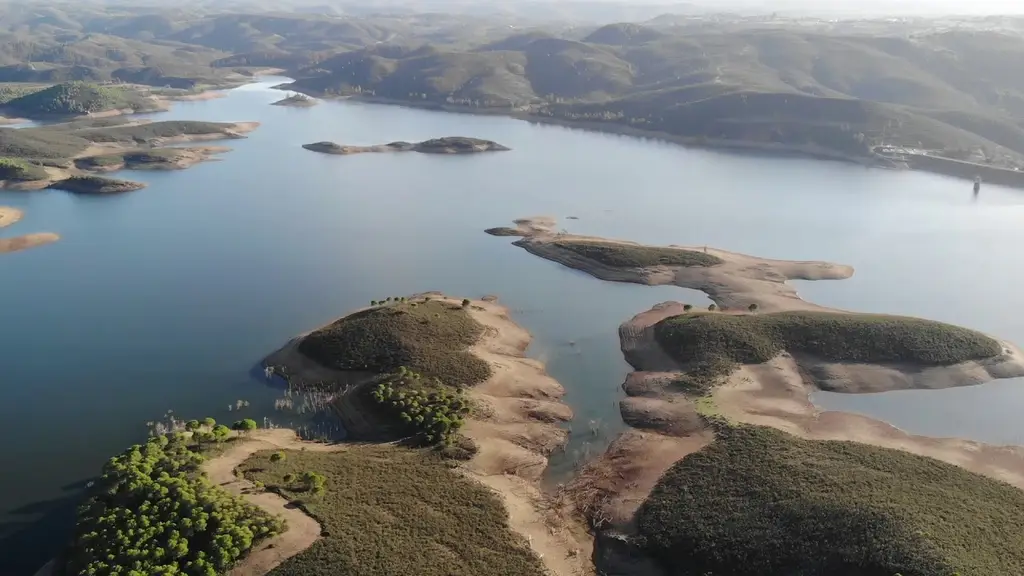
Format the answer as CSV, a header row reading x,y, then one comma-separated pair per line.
x,y
168,298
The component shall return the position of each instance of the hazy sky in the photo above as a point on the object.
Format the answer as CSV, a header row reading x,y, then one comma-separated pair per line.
x,y
885,6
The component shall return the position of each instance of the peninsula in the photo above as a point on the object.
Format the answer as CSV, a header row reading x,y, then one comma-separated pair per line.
x,y
705,379
10,216
65,155
446,145
449,376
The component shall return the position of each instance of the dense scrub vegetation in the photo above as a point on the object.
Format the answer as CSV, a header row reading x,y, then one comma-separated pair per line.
x,y
634,256
394,511
428,337
712,344
153,512
76,98
759,502
430,410
837,337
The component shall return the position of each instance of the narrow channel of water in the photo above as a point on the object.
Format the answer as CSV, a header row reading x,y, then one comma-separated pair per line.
x,y
167,298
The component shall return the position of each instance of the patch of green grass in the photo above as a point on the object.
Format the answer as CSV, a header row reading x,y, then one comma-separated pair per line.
x,y
18,169
387,510
632,256
759,502
430,338
836,337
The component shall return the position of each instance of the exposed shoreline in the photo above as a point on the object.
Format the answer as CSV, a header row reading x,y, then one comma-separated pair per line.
x,y
515,426
666,424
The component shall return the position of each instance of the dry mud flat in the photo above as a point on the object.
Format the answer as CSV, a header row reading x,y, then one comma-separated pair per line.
x,y
10,216
515,425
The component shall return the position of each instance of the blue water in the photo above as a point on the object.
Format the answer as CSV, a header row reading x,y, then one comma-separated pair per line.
x,y
168,297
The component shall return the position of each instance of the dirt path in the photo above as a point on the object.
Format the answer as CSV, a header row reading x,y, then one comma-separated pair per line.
x,y
302,530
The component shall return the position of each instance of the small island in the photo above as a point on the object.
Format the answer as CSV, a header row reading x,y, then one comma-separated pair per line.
x,y
732,280
95,185
10,216
297,100
446,145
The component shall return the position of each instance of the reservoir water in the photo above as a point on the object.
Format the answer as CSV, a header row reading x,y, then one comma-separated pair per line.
x,y
167,298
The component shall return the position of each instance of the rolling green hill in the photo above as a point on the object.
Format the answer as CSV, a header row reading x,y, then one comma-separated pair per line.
x,y
759,502
835,88
838,93
77,98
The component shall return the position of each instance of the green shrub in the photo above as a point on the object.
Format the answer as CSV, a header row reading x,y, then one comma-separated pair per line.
x,y
246,425
759,502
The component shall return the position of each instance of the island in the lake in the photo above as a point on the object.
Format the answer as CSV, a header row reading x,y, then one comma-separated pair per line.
x,y
10,216
446,145
67,155
706,380
448,374
297,100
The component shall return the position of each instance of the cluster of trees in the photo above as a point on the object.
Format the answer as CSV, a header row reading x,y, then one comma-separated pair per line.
x,y
154,513
389,300
433,413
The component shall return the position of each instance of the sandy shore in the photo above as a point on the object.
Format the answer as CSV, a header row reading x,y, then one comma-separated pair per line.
x,y
777,394
185,158
9,216
515,425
